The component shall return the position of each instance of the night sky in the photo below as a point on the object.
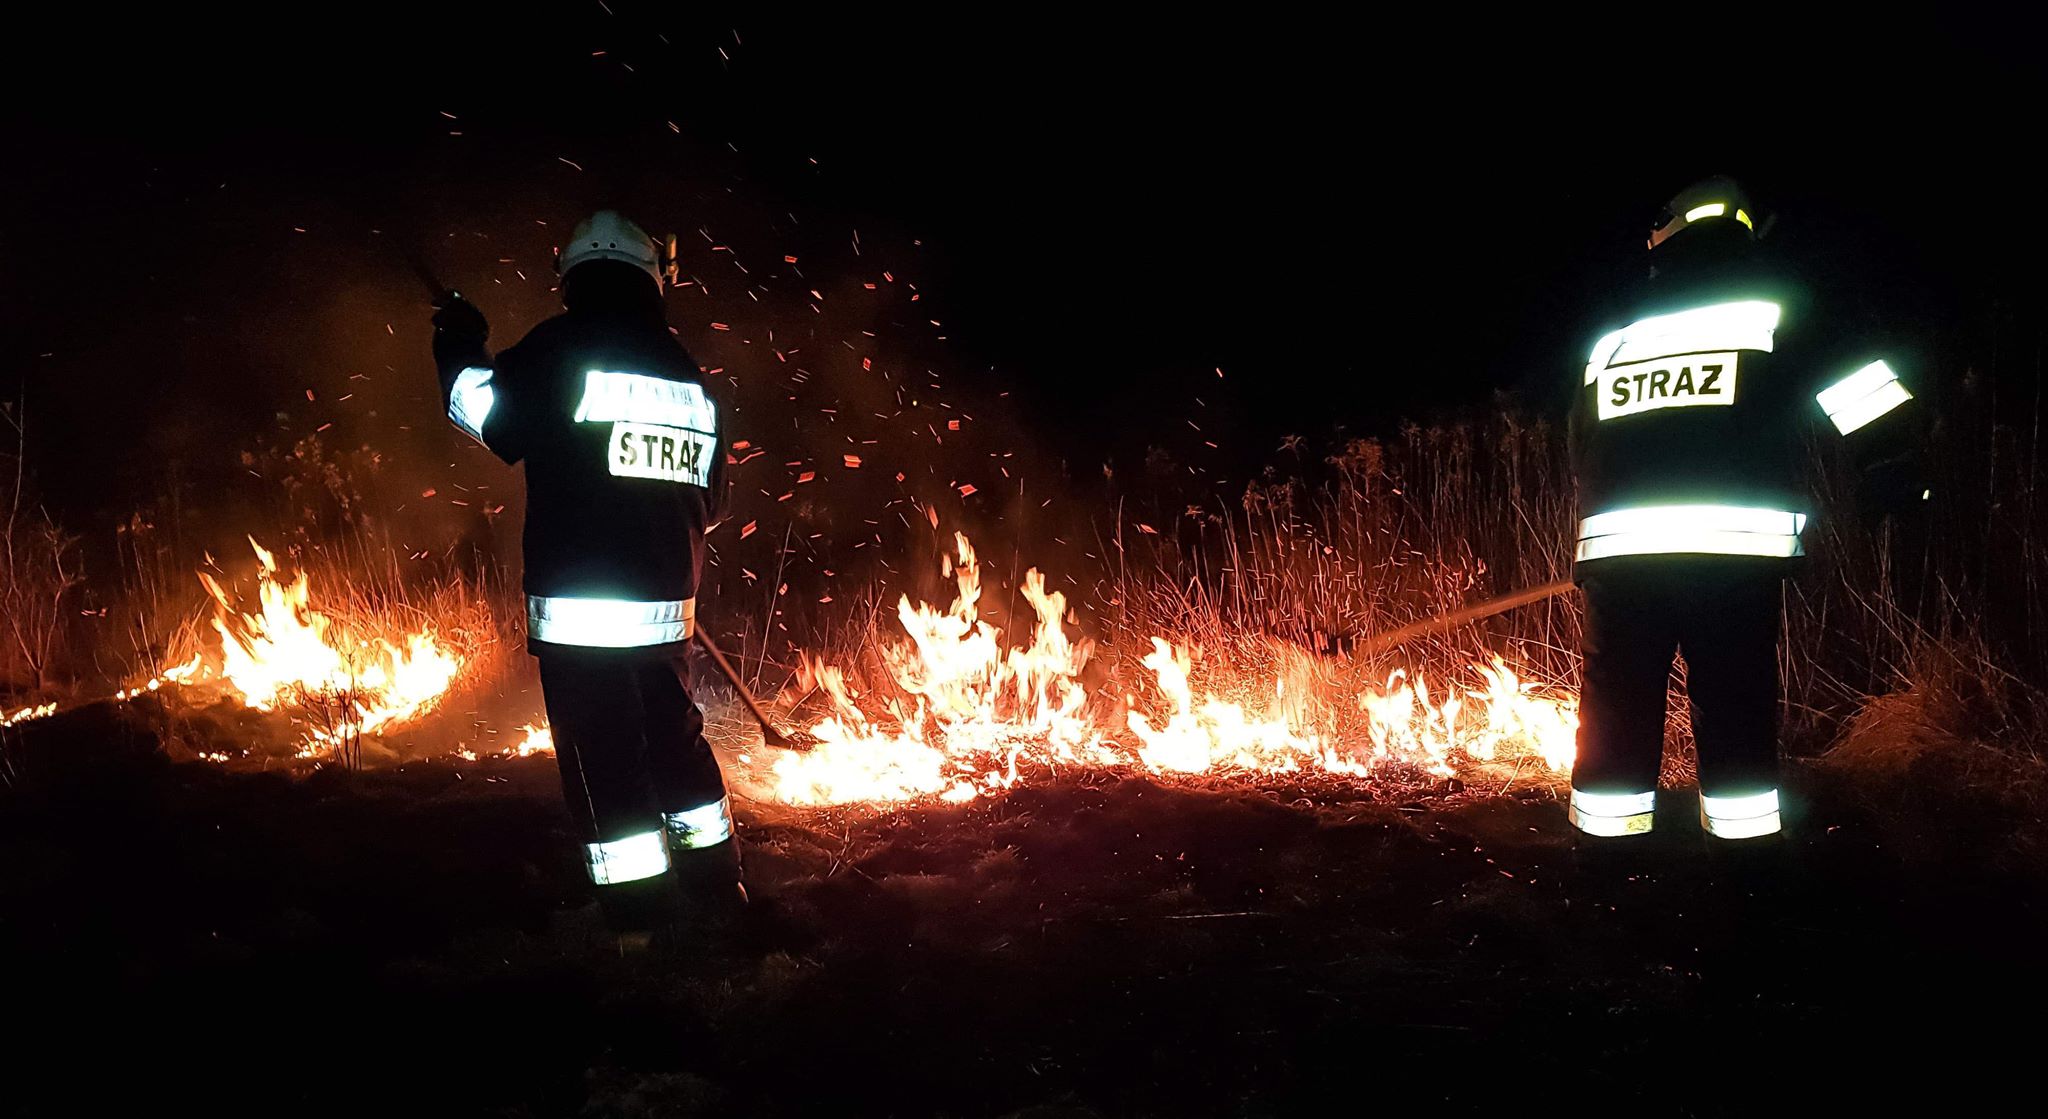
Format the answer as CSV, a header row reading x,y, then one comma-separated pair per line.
x,y
1357,224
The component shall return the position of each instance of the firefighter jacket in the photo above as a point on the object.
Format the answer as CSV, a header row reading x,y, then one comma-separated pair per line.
x,y
1689,425
625,470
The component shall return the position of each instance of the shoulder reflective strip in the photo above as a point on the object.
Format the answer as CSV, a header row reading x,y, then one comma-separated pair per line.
x,y
626,860
704,826
1743,217
1862,396
1728,530
1743,325
469,403
1710,210
612,397
608,623
1603,350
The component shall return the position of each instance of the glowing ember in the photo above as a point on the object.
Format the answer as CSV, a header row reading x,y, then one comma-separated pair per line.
x,y
971,717
288,654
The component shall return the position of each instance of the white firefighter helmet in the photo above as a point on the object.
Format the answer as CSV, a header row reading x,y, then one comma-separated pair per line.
x,y
1713,199
605,235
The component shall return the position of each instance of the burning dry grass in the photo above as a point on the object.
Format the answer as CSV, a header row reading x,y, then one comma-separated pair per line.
x,y
951,709
1216,642
339,668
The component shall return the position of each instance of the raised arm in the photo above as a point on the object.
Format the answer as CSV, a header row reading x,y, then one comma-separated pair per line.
x,y
1872,407
1855,401
470,390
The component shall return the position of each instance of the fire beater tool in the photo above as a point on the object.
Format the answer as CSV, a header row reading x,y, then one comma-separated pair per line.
x,y
769,734
1381,642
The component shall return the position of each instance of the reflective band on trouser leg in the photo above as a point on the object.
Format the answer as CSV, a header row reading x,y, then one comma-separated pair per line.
x,y
608,623
704,826
1720,530
1862,396
1611,813
1740,817
626,860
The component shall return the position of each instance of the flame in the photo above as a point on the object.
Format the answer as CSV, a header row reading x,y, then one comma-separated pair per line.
x,y
26,714
539,740
1219,734
974,716
192,670
288,654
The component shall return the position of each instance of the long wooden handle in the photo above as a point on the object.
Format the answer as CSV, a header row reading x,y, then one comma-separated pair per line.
x,y
1381,642
769,734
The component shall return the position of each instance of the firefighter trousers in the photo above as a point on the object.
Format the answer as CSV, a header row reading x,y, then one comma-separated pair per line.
x,y
1723,613
639,776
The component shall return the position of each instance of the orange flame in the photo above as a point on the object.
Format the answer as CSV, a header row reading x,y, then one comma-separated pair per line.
x,y
974,716
287,654
27,714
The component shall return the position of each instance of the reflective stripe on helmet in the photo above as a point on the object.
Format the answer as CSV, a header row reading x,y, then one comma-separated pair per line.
x,y
470,401
707,825
1743,817
1862,396
1715,197
609,623
626,860
1611,813
1722,530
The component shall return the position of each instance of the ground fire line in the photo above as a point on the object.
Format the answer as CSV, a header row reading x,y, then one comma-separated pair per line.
x,y
957,714
970,717
338,682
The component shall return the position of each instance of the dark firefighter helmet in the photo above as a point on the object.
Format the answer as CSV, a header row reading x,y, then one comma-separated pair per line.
x,y
1712,199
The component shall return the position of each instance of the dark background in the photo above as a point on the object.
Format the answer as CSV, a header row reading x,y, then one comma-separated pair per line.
x,y
1358,222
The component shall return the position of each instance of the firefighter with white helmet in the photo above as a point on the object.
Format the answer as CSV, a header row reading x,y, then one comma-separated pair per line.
x,y
624,450
1686,444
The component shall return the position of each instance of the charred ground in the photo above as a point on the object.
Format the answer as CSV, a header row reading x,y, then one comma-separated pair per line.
x,y
417,940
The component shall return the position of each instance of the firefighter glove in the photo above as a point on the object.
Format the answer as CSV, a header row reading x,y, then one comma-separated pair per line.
x,y
458,319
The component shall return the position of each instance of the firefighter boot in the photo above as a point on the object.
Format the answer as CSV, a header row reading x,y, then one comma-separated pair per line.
x,y
1753,872
704,855
709,897
1604,867
641,912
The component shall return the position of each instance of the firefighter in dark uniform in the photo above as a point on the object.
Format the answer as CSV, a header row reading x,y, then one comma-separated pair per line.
x,y
1686,443
625,473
